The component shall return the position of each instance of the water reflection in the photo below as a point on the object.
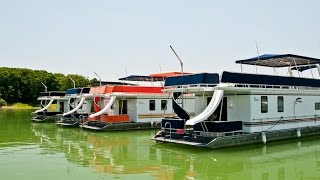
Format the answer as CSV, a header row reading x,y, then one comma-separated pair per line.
x,y
133,153
14,129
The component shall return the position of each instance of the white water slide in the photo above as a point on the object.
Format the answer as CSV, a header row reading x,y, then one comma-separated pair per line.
x,y
46,107
76,108
112,99
213,105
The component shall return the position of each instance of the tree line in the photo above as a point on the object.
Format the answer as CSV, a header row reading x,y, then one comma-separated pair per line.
x,y
24,85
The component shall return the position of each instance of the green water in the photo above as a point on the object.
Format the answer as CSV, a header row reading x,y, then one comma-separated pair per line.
x,y
45,151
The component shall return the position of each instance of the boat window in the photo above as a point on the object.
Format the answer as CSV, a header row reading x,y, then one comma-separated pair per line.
x,y
317,106
280,104
163,104
152,105
123,106
264,104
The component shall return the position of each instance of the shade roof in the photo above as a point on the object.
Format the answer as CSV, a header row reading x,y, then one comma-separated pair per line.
x,y
279,60
140,78
168,74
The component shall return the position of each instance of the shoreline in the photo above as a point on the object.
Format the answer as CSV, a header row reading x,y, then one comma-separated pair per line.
x,y
14,107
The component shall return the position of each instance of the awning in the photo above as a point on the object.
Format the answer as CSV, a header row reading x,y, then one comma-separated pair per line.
x,y
280,60
140,78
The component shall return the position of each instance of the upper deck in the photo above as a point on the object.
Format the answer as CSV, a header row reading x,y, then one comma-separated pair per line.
x,y
205,81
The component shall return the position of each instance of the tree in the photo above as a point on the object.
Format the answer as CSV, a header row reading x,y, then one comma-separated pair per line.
x,y
24,85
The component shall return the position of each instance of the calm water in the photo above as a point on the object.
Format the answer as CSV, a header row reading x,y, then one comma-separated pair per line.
x,y
45,151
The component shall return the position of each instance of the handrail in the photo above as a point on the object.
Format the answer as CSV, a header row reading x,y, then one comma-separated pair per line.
x,y
165,125
284,118
244,85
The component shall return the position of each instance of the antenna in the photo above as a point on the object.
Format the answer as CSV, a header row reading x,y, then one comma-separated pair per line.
x,y
74,83
98,77
181,63
45,87
257,48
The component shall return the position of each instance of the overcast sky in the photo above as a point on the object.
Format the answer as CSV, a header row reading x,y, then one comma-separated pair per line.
x,y
112,37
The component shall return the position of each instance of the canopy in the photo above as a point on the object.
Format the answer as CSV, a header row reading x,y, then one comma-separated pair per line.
x,y
140,78
201,78
168,74
279,60
53,93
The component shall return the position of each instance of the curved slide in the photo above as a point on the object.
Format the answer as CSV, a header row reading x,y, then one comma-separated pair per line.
x,y
76,108
214,103
181,113
113,98
46,107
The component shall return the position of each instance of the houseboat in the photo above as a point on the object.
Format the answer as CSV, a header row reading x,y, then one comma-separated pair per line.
x,y
55,103
78,107
53,99
242,108
127,107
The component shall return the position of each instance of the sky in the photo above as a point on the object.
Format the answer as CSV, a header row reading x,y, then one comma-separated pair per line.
x,y
115,38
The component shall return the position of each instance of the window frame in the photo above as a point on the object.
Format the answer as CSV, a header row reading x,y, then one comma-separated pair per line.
x,y
264,104
317,106
152,101
280,106
163,108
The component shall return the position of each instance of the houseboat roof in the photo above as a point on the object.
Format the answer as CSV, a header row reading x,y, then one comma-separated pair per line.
x,y
140,78
201,78
125,89
52,93
73,91
168,74
97,83
280,60
153,77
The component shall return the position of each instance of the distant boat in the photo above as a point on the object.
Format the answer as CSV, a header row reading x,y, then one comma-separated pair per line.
x,y
47,99
240,108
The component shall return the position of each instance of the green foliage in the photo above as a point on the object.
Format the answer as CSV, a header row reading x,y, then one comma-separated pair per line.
x,y
21,106
2,102
24,85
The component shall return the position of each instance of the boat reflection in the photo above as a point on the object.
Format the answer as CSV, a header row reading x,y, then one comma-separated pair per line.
x,y
123,153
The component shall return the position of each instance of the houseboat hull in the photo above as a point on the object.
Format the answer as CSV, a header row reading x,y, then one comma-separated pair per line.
x,y
48,117
247,138
72,120
70,123
100,126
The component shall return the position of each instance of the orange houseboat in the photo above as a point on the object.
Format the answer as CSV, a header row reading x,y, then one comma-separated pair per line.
x,y
124,107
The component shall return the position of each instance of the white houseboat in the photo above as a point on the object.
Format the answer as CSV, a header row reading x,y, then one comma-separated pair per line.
x,y
49,99
77,107
241,108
